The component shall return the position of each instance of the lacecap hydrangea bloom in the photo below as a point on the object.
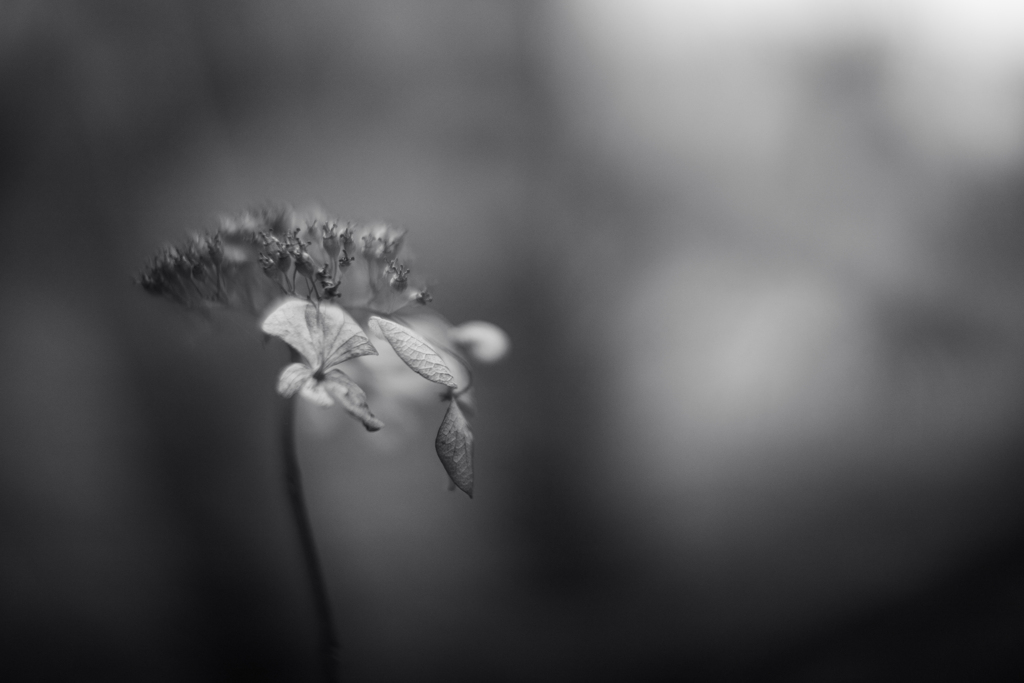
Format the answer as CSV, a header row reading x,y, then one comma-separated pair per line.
x,y
319,285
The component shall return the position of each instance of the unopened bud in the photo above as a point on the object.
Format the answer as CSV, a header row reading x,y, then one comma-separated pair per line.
x,y
331,288
484,342
284,261
331,239
304,264
268,264
398,276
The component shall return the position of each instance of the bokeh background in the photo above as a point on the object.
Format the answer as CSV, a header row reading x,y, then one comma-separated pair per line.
x,y
761,263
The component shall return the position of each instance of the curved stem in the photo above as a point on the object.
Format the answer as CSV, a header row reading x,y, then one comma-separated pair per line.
x,y
293,477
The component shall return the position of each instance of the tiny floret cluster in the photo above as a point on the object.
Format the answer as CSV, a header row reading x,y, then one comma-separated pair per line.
x,y
315,283
260,255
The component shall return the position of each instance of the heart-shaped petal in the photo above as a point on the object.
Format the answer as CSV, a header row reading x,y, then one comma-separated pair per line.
x,y
287,321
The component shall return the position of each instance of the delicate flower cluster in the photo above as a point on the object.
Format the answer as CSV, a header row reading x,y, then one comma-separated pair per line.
x,y
296,270
263,254
190,273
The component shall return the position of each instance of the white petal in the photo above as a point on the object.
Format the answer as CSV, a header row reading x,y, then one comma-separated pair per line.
x,y
342,337
484,342
292,378
287,321
317,393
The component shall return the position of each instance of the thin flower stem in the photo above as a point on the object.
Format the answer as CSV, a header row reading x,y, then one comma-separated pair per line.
x,y
329,649
276,281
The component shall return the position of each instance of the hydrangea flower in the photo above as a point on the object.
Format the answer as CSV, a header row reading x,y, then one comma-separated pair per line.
x,y
294,270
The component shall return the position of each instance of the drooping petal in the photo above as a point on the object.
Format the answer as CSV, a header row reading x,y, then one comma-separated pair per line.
x,y
342,337
288,321
454,445
351,397
317,393
414,351
292,378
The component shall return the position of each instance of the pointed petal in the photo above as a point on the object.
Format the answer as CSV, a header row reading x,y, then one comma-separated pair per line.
x,y
454,445
292,378
352,398
414,351
317,393
288,321
342,337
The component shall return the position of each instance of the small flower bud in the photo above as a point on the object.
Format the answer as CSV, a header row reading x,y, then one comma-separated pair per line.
x,y
422,297
268,264
331,239
372,248
304,264
331,289
392,245
398,276
284,260
391,239
382,241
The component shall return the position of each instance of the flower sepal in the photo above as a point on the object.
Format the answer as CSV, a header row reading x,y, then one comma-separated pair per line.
x,y
324,336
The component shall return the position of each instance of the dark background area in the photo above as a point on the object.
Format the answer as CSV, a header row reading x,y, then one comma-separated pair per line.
x,y
762,272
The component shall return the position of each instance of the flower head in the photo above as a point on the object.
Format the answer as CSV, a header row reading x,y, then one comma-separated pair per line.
x,y
292,268
253,258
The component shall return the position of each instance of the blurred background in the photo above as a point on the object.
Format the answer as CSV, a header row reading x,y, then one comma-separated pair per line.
x,y
761,264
